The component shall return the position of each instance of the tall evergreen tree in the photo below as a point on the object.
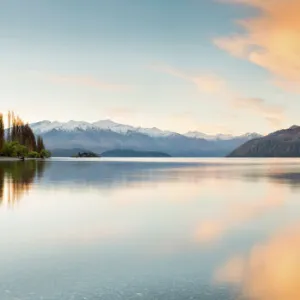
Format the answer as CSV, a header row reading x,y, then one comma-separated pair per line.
x,y
9,126
2,138
29,139
40,144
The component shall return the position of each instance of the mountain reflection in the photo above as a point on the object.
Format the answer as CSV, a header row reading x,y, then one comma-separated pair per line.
x,y
113,174
17,178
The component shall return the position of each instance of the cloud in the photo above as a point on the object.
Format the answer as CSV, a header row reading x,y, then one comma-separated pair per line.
x,y
270,39
213,84
274,114
187,121
271,271
89,81
207,83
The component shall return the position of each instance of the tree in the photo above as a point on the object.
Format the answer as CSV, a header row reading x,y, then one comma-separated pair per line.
x,y
9,126
33,154
20,140
29,138
40,144
2,138
14,149
45,154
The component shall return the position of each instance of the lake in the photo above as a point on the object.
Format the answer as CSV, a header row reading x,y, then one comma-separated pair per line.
x,y
153,229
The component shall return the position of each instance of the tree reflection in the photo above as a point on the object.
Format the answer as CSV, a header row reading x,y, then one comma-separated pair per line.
x,y
17,178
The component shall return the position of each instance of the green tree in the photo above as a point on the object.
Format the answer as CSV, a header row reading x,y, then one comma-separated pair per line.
x,y
22,151
45,154
33,154
14,149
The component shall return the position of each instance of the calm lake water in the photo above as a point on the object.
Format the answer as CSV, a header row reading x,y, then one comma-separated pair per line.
x,y
170,229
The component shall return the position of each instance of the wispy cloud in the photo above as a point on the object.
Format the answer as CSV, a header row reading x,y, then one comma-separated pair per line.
x,y
89,81
213,84
83,81
274,114
207,83
188,122
271,39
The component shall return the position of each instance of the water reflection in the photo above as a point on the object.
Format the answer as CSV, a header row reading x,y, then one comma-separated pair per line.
x,y
240,212
270,271
17,178
149,230
113,174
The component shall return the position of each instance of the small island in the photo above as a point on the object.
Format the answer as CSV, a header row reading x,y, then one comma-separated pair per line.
x,y
133,153
88,154
18,140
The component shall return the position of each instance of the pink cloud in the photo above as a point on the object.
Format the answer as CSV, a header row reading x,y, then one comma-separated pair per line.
x,y
273,114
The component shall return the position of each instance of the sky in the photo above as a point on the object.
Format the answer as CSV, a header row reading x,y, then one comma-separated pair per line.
x,y
215,66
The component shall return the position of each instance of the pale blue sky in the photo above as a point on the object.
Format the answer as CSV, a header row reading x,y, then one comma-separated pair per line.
x,y
135,61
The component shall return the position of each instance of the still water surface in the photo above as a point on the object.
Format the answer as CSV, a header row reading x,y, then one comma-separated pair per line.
x,y
171,229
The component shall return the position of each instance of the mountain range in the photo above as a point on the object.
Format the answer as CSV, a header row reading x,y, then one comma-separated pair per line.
x,y
106,135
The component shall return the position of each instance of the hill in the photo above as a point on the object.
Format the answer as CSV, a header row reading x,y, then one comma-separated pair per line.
x,y
282,143
133,153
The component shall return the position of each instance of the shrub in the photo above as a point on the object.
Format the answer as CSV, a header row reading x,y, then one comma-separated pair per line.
x,y
14,149
33,154
45,154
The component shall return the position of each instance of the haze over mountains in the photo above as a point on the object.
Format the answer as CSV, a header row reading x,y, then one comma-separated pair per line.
x,y
107,135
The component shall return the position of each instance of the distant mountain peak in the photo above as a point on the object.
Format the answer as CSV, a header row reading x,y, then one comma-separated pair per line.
x,y
221,136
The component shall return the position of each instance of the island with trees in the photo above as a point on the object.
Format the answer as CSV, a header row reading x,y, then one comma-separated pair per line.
x,y
86,154
19,141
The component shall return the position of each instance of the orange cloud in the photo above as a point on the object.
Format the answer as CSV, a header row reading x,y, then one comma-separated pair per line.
x,y
271,39
270,272
209,84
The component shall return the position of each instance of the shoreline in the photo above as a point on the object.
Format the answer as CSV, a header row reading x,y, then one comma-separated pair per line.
x,y
6,158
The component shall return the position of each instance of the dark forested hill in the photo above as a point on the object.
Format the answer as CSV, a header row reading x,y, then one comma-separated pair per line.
x,y
282,143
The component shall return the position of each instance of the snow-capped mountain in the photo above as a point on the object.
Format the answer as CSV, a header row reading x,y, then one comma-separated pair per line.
x,y
103,125
107,135
108,125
